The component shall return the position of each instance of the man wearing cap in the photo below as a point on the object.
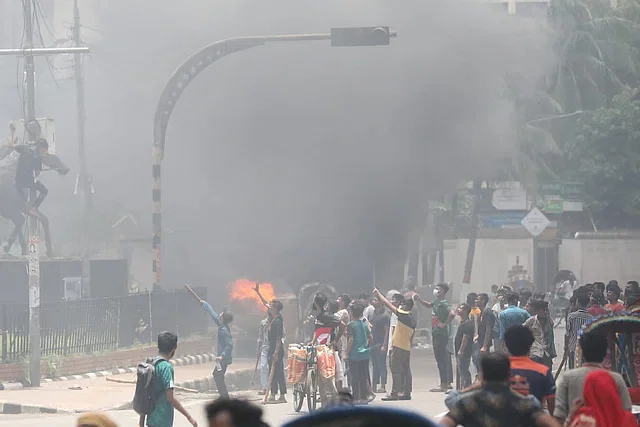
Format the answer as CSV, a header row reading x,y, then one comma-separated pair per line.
x,y
612,293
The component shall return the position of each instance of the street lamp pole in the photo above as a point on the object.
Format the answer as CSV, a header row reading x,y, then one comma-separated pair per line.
x,y
195,64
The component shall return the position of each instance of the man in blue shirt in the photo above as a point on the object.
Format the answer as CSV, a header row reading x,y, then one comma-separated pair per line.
x,y
511,316
225,347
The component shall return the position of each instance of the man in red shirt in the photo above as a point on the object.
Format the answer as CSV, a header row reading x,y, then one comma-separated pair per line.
x,y
613,292
597,302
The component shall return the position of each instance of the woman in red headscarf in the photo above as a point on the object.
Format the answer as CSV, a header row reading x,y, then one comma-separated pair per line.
x,y
600,405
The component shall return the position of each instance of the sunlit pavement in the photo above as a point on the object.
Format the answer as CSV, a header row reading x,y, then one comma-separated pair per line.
x,y
424,374
424,402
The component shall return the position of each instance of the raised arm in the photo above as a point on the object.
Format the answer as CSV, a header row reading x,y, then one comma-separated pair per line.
x,y
5,150
385,301
215,316
264,301
422,302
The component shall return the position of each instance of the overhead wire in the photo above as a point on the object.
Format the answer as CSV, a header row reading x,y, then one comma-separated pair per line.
x,y
37,11
20,83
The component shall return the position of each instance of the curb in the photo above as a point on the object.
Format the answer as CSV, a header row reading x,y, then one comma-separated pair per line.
x,y
181,361
16,409
239,380
236,380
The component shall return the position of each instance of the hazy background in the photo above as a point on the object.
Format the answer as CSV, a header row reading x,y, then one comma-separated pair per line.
x,y
296,161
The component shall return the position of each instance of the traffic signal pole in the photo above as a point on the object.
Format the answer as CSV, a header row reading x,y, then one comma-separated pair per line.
x,y
29,53
189,70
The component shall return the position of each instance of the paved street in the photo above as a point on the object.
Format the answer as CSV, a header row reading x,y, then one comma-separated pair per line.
x,y
424,402
98,393
425,377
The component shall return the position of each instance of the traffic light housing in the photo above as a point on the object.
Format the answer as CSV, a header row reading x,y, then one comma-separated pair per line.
x,y
360,36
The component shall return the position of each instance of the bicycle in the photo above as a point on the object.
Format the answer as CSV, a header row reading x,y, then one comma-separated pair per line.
x,y
309,387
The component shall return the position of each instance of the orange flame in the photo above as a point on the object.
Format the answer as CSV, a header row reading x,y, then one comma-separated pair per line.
x,y
243,290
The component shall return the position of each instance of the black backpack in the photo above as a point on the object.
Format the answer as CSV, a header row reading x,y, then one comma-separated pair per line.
x,y
144,400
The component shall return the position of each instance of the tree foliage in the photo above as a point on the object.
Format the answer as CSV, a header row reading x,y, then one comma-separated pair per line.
x,y
606,157
584,122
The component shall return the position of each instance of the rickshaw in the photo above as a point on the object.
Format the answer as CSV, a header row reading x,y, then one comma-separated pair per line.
x,y
623,334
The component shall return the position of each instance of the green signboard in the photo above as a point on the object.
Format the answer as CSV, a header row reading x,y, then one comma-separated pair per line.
x,y
565,190
554,206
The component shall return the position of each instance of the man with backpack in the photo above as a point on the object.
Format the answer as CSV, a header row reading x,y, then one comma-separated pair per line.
x,y
154,400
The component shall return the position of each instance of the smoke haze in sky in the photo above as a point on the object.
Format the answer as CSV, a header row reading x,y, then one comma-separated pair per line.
x,y
292,161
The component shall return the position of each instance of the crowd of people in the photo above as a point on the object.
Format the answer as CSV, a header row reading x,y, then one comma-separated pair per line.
x,y
513,350
508,338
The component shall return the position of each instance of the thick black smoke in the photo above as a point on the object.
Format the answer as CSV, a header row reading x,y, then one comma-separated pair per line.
x,y
299,161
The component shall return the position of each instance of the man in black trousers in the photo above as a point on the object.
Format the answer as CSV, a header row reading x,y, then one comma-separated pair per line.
x,y
275,332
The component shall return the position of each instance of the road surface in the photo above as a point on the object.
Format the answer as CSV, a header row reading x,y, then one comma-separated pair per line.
x,y
424,402
425,377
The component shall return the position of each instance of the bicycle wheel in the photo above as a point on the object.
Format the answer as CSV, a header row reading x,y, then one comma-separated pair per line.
x,y
312,390
298,397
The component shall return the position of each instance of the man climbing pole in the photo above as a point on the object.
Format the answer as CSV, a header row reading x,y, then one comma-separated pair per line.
x,y
29,167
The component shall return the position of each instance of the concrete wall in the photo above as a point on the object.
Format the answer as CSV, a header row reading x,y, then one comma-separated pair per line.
x,y
601,260
589,259
492,261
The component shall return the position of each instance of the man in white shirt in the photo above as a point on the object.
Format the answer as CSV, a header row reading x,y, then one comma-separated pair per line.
x,y
368,308
392,296
345,318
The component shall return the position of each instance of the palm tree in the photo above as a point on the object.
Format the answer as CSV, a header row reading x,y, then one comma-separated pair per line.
x,y
594,44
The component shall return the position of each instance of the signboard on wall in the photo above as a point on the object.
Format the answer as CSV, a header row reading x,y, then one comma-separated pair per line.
x,y
509,199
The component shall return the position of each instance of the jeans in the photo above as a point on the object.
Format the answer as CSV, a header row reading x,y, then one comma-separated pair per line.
x,y
572,359
497,345
475,355
278,381
38,187
379,364
218,377
401,372
359,370
443,358
463,370
264,367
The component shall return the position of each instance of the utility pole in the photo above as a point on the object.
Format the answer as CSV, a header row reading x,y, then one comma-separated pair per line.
x,y
34,232
85,185
29,53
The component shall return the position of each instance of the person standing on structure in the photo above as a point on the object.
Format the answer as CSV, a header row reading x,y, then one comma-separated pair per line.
x,y
30,166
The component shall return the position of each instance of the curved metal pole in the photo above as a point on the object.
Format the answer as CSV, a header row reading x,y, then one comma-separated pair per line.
x,y
176,85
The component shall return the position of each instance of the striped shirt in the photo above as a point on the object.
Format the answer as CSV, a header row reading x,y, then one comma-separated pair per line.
x,y
575,322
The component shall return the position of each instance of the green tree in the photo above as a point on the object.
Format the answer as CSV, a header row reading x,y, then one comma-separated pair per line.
x,y
596,49
606,157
